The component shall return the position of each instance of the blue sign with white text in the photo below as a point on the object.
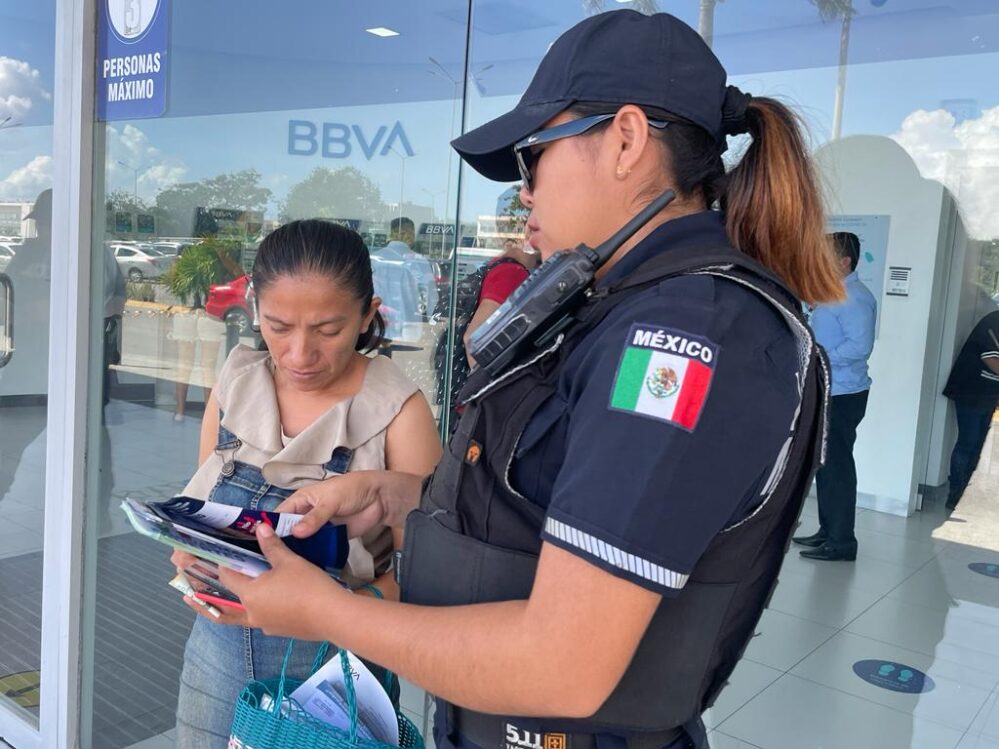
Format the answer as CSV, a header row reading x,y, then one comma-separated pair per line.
x,y
132,59
896,677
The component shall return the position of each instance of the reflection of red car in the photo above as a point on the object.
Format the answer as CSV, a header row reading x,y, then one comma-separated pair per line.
x,y
229,302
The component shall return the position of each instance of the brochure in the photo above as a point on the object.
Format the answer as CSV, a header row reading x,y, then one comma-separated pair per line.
x,y
225,534
147,522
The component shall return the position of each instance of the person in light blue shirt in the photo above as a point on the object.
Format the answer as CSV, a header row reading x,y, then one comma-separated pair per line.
x,y
846,332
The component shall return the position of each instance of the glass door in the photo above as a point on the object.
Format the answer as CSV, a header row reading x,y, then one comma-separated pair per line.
x,y
317,110
27,59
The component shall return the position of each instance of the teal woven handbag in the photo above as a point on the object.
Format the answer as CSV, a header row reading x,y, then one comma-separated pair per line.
x,y
266,718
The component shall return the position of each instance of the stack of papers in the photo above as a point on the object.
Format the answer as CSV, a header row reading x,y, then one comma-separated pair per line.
x,y
195,538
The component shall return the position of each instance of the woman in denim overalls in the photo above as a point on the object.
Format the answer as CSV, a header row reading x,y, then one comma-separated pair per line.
x,y
307,409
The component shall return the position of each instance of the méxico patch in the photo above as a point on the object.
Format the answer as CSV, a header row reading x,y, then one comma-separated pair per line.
x,y
664,373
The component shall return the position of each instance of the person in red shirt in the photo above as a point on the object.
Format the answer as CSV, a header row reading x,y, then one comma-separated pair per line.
x,y
502,277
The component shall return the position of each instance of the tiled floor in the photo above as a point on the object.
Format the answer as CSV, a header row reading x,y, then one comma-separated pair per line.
x,y
909,598
140,626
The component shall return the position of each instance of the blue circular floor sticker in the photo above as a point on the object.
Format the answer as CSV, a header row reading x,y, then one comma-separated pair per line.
x,y
896,677
984,568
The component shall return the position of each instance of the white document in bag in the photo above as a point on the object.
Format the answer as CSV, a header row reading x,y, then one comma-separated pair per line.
x,y
324,696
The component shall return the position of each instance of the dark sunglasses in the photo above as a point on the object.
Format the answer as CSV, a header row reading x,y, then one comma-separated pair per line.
x,y
528,150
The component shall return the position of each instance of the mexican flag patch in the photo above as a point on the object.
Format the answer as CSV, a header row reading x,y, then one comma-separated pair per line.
x,y
665,374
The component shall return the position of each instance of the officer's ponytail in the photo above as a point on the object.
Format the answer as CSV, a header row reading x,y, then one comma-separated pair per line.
x,y
773,209
773,206
327,250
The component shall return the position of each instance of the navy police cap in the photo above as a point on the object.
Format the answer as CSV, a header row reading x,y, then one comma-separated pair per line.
x,y
618,57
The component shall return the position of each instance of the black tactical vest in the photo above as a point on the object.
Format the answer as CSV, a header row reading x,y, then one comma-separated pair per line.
x,y
475,539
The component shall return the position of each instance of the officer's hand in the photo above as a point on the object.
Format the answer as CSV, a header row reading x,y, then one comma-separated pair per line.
x,y
291,599
361,500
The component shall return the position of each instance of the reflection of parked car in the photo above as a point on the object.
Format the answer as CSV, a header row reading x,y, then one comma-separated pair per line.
x,y
6,255
232,302
441,280
138,263
175,249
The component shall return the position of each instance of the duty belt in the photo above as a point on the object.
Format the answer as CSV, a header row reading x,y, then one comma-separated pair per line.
x,y
497,732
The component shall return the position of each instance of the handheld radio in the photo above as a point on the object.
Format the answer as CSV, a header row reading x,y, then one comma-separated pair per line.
x,y
541,306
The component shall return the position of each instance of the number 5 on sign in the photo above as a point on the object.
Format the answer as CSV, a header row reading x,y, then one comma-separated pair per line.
x,y
133,17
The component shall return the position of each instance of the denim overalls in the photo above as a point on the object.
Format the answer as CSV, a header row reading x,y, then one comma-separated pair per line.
x,y
219,659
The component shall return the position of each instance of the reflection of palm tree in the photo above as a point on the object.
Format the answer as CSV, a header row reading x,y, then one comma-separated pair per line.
x,y
648,7
706,21
830,10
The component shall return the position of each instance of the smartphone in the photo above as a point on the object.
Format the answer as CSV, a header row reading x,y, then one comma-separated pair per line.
x,y
219,601
181,583
206,580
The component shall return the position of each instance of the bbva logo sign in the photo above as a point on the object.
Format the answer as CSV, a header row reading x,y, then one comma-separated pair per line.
x,y
336,140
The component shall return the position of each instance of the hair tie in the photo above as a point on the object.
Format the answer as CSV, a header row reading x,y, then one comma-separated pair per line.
x,y
734,108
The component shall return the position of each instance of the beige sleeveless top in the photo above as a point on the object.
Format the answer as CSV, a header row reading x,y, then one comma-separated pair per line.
x,y
248,401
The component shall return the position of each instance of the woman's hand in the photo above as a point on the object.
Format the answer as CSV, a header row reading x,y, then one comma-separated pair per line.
x,y
361,500
182,560
292,599
226,615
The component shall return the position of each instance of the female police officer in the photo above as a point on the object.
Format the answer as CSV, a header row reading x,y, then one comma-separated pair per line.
x,y
597,544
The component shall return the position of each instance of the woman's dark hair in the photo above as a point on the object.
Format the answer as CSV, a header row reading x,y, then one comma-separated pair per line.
x,y
847,244
771,199
313,247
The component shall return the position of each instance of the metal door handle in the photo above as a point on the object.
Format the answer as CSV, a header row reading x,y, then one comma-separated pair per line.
x,y
7,329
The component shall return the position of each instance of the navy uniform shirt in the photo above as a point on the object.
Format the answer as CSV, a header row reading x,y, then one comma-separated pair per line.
x,y
971,379
667,420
